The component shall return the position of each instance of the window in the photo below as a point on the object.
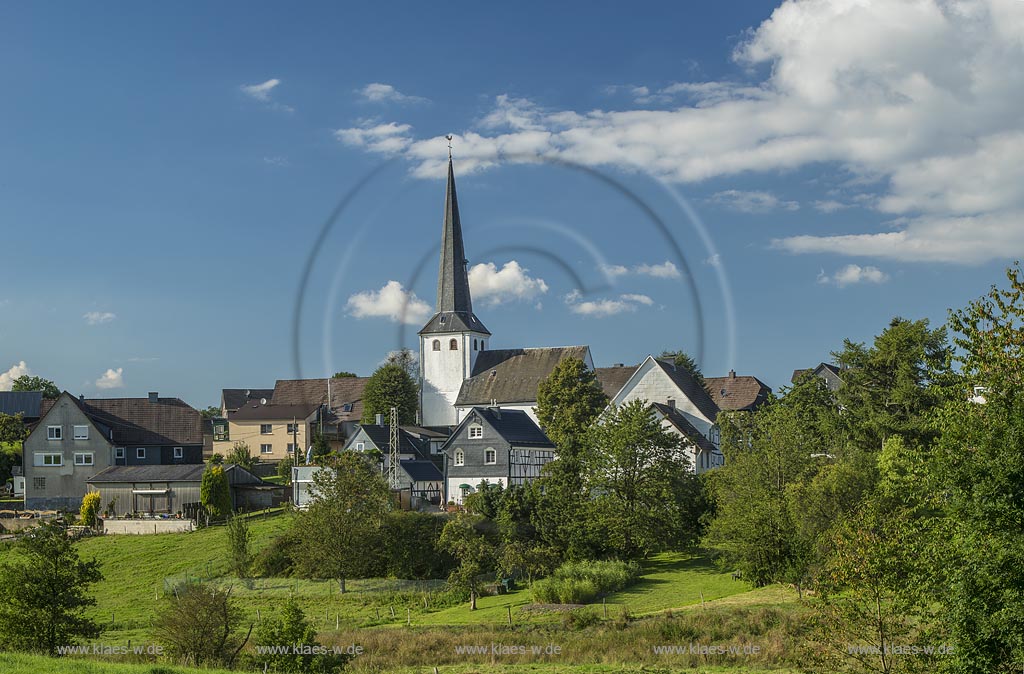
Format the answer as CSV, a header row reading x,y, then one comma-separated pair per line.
x,y
293,428
54,432
437,345
291,448
266,449
266,429
460,457
474,344
83,459
39,483
453,344
360,446
81,433
220,432
118,452
49,460
140,452
179,452
347,407
476,431
490,456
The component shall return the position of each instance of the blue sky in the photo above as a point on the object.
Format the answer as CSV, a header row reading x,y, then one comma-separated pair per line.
x,y
166,171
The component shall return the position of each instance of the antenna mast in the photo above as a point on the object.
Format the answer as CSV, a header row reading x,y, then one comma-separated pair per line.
x,y
393,450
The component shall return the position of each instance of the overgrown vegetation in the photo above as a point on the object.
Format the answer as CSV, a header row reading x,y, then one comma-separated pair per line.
x,y
583,582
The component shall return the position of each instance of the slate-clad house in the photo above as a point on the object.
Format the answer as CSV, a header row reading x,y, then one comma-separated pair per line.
x,y
832,375
76,438
701,453
497,445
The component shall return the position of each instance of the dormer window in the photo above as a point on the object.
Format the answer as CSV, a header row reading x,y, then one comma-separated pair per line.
x,y
476,431
453,344
437,345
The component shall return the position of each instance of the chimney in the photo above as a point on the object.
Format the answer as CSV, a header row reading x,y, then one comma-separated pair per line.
x,y
154,396
732,374
380,419
618,365
81,397
671,402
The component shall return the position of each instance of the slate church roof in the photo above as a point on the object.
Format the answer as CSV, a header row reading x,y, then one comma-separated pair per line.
x,y
454,303
505,376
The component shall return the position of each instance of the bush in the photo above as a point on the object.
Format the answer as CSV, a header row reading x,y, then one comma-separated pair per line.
x,y
582,582
200,625
90,509
411,549
277,558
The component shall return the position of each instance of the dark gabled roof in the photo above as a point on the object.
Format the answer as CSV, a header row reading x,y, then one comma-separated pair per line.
x,y
515,426
833,369
169,473
689,386
737,392
138,421
430,432
683,425
26,403
258,412
346,392
454,302
422,471
612,379
233,398
513,375
381,437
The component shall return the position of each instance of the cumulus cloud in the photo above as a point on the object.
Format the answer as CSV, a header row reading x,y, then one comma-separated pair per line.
x,y
378,92
920,100
382,138
852,274
392,302
752,202
19,369
512,282
602,308
665,269
98,317
111,379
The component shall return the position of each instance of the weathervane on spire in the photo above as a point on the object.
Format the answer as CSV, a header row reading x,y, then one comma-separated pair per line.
x,y
449,137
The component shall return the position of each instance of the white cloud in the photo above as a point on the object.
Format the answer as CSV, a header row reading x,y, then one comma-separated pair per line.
x,y
665,269
512,282
382,138
111,379
98,317
17,370
919,99
752,202
261,92
378,92
714,261
606,307
392,302
852,273
829,206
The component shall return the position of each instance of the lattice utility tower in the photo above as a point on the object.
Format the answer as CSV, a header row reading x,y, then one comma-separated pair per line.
x,y
393,464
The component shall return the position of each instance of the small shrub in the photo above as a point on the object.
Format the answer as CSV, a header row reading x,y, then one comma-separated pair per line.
x,y
90,509
277,558
579,618
582,582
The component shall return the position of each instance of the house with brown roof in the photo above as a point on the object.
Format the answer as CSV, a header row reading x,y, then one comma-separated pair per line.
x,y
273,431
737,393
341,397
75,438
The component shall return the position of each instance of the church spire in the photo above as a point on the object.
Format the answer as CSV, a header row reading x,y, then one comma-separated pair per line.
x,y
454,303
453,277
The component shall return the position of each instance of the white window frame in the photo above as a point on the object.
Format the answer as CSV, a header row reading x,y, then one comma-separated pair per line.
x,y
140,452
40,459
179,452
360,446
460,457
493,452
84,456
118,452
476,431
55,436
84,430
266,448
270,428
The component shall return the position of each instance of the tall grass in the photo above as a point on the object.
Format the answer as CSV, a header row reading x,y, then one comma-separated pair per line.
x,y
583,582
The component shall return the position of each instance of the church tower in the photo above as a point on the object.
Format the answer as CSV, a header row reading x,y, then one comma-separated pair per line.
x,y
454,336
